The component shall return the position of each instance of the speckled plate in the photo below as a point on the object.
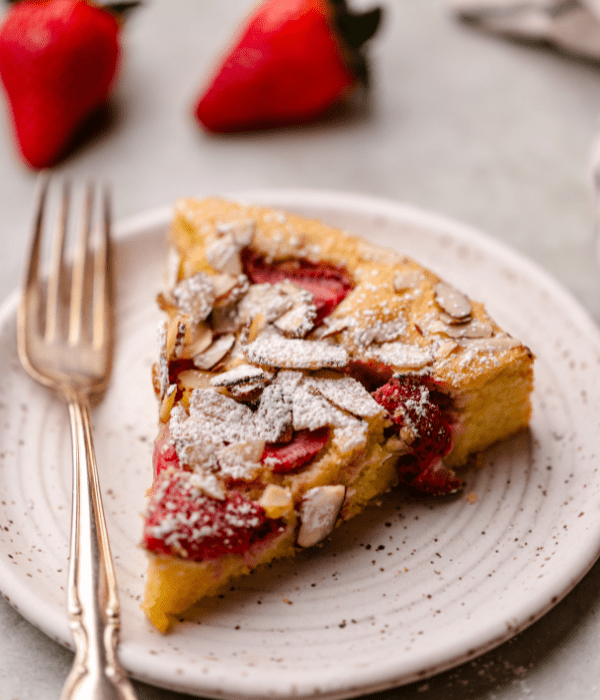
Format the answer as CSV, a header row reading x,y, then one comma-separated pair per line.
x,y
407,589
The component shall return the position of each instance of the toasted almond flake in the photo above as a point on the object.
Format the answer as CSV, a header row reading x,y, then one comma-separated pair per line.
x,y
299,320
452,300
223,255
176,332
257,324
311,411
346,393
223,284
225,418
242,232
331,327
273,419
240,375
377,331
215,352
401,355
445,349
319,511
474,329
276,500
167,404
194,379
241,458
496,344
163,362
200,338
268,300
195,296
293,353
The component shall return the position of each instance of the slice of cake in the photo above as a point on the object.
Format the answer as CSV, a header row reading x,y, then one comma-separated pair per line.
x,y
303,372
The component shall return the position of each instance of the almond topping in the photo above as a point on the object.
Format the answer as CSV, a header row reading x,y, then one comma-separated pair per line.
x,y
215,352
319,511
452,300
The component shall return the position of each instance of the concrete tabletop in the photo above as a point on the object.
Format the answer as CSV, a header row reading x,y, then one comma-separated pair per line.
x,y
491,132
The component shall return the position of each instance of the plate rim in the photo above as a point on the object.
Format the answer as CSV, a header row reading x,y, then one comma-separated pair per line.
x,y
140,224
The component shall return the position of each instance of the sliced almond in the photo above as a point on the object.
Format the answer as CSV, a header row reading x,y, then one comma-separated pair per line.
x,y
215,352
223,284
223,255
195,296
194,379
242,374
167,403
319,511
276,501
295,353
176,331
454,302
198,340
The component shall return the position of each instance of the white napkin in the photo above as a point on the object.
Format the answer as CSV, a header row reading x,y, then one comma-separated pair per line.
x,y
571,25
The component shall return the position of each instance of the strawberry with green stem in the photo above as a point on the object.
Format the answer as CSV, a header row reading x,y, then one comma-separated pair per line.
x,y
293,61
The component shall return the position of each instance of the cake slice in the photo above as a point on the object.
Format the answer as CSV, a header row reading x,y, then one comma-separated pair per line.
x,y
303,372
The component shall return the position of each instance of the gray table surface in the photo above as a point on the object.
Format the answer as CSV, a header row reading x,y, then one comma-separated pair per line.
x,y
495,133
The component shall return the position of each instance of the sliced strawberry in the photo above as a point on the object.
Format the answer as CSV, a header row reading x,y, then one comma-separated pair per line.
x,y
164,454
436,480
289,456
417,411
328,284
183,521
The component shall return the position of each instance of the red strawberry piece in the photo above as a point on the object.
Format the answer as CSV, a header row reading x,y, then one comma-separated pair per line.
x,y
164,454
436,480
417,411
183,521
293,60
303,447
328,284
57,63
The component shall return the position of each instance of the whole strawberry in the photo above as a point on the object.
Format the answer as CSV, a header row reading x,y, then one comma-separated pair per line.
x,y
293,61
58,59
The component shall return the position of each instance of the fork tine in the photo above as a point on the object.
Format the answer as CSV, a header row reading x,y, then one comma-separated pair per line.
x,y
79,265
101,290
28,315
56,266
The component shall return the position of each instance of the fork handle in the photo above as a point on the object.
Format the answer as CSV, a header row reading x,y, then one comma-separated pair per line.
x,y
92,599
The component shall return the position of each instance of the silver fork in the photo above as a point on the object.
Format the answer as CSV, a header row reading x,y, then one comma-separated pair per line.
x,y
67,345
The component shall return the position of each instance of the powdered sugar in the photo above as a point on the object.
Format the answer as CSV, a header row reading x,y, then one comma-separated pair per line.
x,y
292,353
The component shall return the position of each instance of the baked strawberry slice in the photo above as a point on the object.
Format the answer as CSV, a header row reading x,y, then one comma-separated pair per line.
x,y
287,457
417,414
293,60
164,454
328,284
183,520
58,60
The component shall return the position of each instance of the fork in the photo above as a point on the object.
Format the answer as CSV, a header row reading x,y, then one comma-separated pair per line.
x,y
66,343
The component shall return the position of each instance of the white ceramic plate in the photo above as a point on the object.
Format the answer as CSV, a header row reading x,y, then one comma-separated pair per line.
x,y
409,588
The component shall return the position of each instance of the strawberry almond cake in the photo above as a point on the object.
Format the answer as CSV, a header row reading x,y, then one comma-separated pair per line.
x,y
303,372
